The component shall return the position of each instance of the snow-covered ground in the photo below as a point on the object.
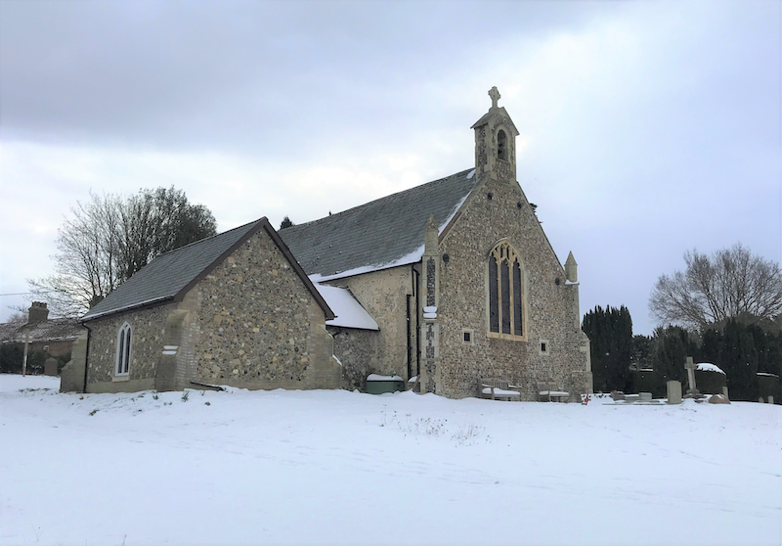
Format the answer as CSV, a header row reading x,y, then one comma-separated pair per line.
x,y
336,467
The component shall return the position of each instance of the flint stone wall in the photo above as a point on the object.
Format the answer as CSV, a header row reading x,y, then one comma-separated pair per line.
x,y
147,331
250,323
550,313
258,326
384,296
358,351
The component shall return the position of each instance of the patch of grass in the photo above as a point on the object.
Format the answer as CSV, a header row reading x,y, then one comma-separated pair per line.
x,y
426,426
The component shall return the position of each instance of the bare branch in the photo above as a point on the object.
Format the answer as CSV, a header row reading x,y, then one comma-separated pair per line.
x,y
108,238
729,283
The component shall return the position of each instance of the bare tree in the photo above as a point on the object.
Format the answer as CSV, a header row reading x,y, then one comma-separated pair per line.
x,y
727,284
108,238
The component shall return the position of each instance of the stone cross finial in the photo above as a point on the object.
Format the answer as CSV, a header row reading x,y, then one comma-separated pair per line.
x,y
495,96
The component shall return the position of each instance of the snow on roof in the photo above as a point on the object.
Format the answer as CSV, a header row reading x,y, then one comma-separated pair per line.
x,y
349,312
706,367
58,329
411,258
384,233
378,377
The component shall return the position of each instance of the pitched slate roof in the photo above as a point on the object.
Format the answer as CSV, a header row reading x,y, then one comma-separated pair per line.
x,y
379,234
170,276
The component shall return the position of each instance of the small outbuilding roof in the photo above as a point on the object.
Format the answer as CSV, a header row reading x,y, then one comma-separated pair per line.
x,y
170,276
380,234
349,312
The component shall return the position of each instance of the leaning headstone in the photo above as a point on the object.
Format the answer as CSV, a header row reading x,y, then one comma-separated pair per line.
x,y
718,399
674,392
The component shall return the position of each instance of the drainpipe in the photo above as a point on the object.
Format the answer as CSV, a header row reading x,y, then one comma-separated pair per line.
x,y
409,348
416,287
86,357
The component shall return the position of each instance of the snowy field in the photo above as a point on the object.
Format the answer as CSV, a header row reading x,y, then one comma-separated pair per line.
x,y
335,467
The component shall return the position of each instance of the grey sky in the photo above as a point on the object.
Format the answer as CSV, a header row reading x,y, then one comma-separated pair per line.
x,y
647,129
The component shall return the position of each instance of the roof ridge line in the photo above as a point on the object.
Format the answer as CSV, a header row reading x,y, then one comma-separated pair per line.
x,y
380,198
211,237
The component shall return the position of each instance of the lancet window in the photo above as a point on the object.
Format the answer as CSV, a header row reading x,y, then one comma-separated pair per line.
x,y
506,292
123,350
502,145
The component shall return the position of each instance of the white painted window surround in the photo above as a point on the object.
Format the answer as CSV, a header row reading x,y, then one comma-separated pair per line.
x,y
124,341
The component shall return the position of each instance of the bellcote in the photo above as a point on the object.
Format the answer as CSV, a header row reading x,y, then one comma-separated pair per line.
x,y
495,142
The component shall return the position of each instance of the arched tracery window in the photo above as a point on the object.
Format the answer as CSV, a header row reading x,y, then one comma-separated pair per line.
x,y
506,292
122,365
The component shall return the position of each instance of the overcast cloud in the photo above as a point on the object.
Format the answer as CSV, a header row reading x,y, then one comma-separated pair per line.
x,y
647,129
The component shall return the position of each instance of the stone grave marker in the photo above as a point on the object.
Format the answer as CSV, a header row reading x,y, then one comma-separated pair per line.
x,y
50,367
674,392
690,367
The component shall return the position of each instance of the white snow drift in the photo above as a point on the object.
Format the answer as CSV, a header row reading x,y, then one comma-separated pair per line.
x,y
335,467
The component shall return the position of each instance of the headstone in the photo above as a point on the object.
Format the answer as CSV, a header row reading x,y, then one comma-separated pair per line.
x,y
718,399
761,400
72,375
50,367
725,392
644,397
770,399
674,392
690,367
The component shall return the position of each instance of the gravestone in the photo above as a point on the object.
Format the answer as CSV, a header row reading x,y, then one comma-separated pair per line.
x,y
674,392
50,367
692,391
72,375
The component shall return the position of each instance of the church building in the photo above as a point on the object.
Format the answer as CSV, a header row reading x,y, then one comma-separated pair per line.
x,y
444,285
